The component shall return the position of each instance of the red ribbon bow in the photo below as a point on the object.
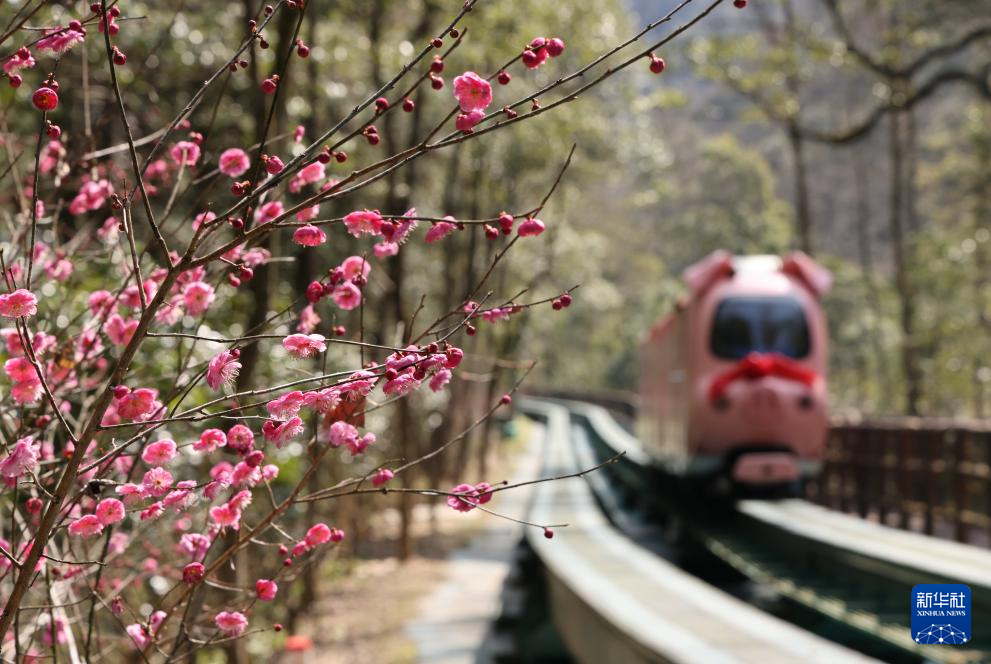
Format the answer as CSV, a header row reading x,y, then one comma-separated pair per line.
x,y
758,365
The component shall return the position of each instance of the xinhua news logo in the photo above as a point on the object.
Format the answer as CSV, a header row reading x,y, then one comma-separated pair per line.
x,y
941,614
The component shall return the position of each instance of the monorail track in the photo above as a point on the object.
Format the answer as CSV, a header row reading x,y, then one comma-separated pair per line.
x,y
847,580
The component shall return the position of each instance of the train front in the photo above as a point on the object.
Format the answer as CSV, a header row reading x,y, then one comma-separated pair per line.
x,y
759,401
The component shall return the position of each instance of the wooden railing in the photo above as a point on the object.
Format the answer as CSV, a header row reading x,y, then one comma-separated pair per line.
x,y
926,475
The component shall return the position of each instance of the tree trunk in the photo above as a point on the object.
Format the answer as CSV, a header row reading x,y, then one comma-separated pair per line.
x,y
900,253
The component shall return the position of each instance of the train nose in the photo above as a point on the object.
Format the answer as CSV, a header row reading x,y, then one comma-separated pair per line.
x,y
763,402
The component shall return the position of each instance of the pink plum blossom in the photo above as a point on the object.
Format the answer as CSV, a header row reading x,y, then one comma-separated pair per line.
x,y
472,91
382,477
210,440
139,404
266,589
317,534
197,297
309,236
530,227
231,623
233,162
226,516
23,458
223,369
86,526
120,330
269,212
441,229
240,439
466,121
157,481
159,453
347,296
352,266
363,222
60,40
281,433
109,511
286,406
185,153
304,345
19,303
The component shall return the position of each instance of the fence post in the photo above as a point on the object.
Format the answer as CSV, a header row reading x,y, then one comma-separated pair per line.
x,y
930,441
960,482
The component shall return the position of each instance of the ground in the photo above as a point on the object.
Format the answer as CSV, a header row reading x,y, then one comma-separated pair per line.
x,y
363,617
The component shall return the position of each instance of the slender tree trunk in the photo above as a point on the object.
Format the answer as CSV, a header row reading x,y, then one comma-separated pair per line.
x,y
900,254
803,209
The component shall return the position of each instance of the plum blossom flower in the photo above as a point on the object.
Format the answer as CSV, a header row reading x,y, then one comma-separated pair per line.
x,y
210,440
231,623
159,453
23,458
60,40
462,502
152,512
138,404
194,545
240,439
223,369
441,378
472,92
402,384
139,634
530,227
441,229
358,385
26,391
341,433
226,516
197,297
19,303
309,236
363,222
233,162
322,401
93,194
185,153
86,526
346,295
22,59
203,218
466,121
269,212
382,476
304,345
266,589
312,172
308,320
120,330
281,433
157,481
286,406
308,213
352,266
109,511
193,573
317,534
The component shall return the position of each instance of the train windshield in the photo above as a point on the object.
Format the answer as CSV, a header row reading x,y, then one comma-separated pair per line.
x,y
760,324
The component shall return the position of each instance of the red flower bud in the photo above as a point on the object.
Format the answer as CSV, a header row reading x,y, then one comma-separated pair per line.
x,y
45,99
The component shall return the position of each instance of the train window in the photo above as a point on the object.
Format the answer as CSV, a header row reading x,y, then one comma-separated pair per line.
x,y
759,324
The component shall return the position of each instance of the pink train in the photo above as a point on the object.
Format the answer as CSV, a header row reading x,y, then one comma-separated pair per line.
x,y
733,385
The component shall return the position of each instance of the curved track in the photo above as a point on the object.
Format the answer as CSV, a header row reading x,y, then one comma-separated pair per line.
x,y
614,600
849,578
